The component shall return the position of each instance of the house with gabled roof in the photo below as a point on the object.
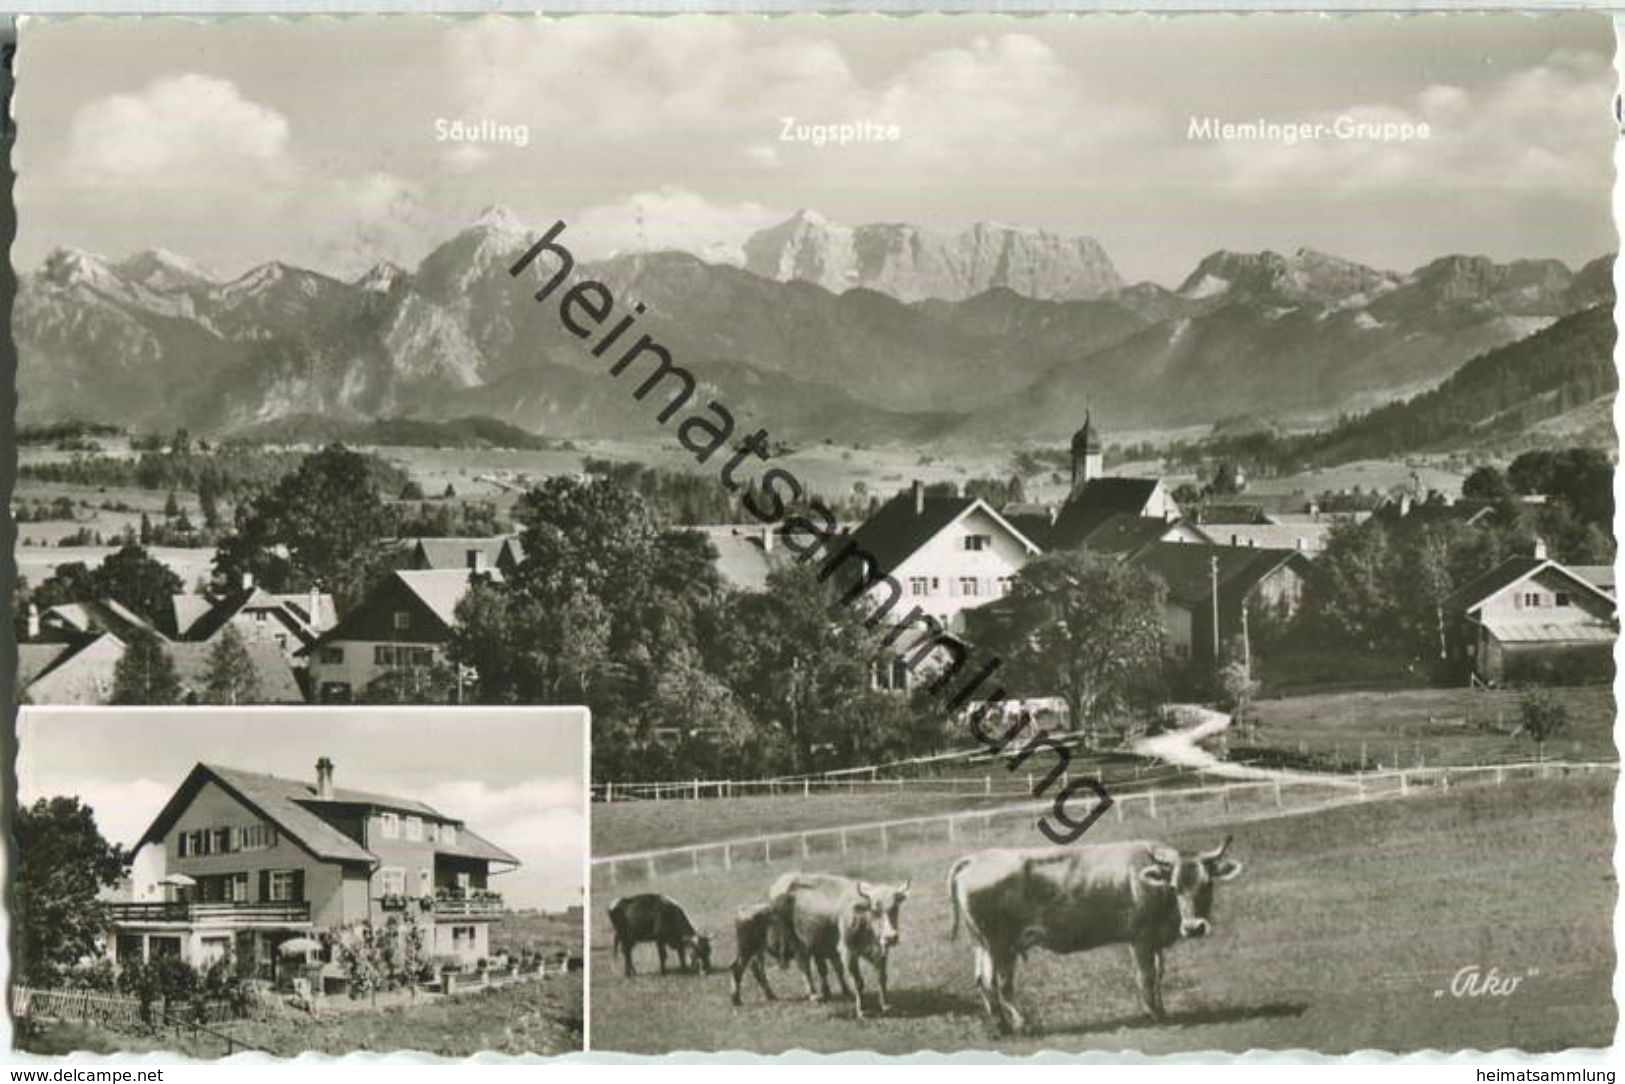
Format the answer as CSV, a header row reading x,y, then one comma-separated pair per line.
x,y
1123,536
949,554
1533,619
1224,583
404,623
503,553
78,671
237,862
91,618
290,621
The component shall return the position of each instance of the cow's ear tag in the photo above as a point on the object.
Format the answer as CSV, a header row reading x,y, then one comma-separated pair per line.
x,y
1160,876
1225,870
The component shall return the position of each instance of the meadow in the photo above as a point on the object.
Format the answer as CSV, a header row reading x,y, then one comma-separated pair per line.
x,y
1343,933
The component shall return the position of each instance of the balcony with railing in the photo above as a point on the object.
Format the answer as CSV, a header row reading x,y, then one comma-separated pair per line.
x,y
469,904
224,913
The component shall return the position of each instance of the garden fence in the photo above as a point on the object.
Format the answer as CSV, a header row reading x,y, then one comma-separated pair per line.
x,y
1229,801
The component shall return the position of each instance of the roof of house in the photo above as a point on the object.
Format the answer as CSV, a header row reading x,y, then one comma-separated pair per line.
x,y
896,530
1187,568
1218,512
1125,535
742,560
35,660
104,614
441,589
1541,632
186,610
219,612
290,804
1601,576
274,675
1284,536
1096,502
1476,591
452,553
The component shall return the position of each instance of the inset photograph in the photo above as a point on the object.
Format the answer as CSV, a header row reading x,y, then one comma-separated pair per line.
x,y
212,881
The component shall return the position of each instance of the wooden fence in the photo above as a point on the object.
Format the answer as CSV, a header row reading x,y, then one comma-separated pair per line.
x,y
1127,774
1229,801
89,1006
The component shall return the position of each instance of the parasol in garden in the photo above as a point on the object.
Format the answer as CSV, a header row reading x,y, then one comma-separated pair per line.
x,y
179,880
299,946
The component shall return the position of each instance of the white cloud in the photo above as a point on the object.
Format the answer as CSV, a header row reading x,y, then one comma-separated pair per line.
x,y
672,218
1544,127
178,126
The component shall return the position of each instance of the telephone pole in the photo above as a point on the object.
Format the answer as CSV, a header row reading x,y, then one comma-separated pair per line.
x,y
1213,575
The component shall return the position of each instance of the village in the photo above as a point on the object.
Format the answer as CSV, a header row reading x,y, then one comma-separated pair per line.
x,y
1235,576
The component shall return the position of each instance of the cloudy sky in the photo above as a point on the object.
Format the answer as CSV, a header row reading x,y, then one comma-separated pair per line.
x,y
314,140
515,776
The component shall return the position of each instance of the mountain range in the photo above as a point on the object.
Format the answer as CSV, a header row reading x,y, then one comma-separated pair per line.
x,y
998,334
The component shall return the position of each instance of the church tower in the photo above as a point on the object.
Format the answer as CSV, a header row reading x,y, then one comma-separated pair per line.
x,y
1087,461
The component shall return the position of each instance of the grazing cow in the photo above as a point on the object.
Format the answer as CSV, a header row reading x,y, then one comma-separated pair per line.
x,y
657,918
757,934
1072,899
825,918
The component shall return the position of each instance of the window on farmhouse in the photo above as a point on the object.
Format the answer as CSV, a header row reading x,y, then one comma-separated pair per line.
x,y
1563,599
403,620
978,542
331,656
414,829
392,881
1531,599
969,586
448,834
389,825
919,585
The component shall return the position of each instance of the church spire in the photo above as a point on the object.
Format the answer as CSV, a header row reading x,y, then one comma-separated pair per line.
x,y
1087,461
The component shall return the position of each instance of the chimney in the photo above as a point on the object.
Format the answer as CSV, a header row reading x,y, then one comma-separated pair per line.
x,y
1540,548
767,539
315,611
324,778
476,560
248,581
33,621
919,497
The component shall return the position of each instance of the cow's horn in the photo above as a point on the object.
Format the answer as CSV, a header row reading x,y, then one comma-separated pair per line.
x,y
1218,852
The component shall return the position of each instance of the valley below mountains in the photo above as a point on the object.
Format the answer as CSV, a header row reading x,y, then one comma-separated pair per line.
x,y
863,334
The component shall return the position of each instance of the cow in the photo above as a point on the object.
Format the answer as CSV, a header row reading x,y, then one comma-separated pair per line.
x,y
657,918
837,920
757,934
1072,899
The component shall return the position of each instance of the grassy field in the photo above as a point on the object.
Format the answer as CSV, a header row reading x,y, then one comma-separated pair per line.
x,y
1432,726
526,1018
1413,727
545,933
1342,934
629,827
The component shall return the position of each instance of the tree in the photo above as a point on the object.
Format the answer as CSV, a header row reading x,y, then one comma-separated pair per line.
x,y
230,676
128,575
322,525
63,864
172,507
208,500
1089,635
800,668
1542,715
145,674
411,491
